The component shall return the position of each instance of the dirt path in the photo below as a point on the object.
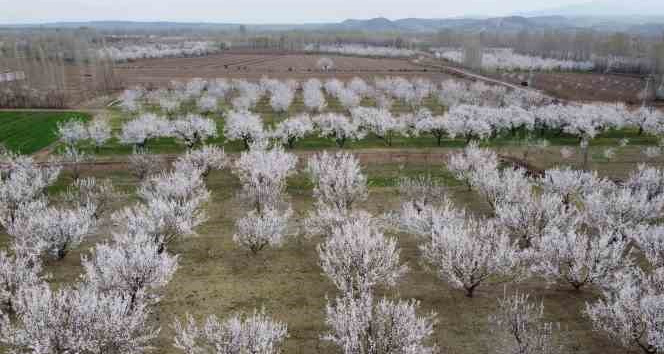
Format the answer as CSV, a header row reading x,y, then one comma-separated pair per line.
x,y
366,156
459,72
73,110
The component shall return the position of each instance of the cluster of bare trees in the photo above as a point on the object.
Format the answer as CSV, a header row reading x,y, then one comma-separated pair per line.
x,y
57,68
609,51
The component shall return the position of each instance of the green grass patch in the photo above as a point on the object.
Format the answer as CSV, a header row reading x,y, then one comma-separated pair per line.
x,y
28,132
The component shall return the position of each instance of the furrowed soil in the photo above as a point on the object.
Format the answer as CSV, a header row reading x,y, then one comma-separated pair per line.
x,y
160,72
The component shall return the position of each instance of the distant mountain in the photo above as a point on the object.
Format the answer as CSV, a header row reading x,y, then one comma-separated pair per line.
x,y
429,25
644,25
510,23
379,24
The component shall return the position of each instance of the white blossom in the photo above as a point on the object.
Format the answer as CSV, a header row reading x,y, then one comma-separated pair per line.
x,y
430,124
362,50
100,195
357,326
22,182
72,158
194,87
205,159
572,184
578,258
566,152
53,230
312,95
17,272
473,158
358,255
620,210
257,334
72,131
133,268
143,164
530,218
630,312
194,129
244,126
163,221
173,207
467,254
146,127
421,191
507,59
131,52
325,64
654,123
263,174
338,180
219,88
169,104
258,230
282,97
377,121
507,186
649,179
337,126
129,100
424,221
523,322
333,87
471,122
652,152
207,104
178,186
348,98
99,131
650,241
76,321
358,86
324,220
292,129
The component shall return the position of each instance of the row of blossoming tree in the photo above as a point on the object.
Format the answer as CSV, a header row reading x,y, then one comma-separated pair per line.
x,y
566,226
112,308
475,111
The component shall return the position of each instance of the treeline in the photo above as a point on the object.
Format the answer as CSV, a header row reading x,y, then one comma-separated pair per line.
x,y
56,68
611,52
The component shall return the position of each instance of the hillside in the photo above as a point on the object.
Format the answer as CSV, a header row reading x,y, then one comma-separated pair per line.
x,y
651,25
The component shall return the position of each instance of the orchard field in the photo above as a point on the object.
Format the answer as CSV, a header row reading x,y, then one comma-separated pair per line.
x,y
306,199
215,276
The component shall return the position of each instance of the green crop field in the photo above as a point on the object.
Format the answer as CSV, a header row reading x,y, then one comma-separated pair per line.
x,y
29,132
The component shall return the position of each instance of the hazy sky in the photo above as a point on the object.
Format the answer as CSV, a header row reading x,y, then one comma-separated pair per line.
x,y
260,11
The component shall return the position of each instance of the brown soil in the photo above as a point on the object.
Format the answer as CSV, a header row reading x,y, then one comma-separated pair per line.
x,y
568,85
159,72
584,86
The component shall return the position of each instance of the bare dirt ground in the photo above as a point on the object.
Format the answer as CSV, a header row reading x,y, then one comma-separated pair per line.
x,y
563,85
585,86
159,72
301,66
254,64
